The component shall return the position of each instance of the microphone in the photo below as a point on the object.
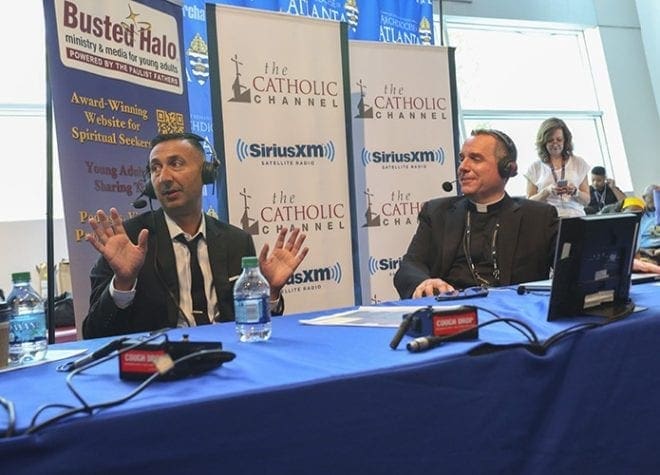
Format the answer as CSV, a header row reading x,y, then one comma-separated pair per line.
x,y
534,289
448,185
139,203
147,192
424,343
96,355
403,328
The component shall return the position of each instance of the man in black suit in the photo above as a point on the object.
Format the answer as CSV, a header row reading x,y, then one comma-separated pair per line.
x,y
483,238
143,278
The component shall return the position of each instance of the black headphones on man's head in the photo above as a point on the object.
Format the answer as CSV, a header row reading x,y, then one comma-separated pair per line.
x,y
507,165
209,167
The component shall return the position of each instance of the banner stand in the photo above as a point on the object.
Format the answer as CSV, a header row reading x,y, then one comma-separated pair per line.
x,y
50,235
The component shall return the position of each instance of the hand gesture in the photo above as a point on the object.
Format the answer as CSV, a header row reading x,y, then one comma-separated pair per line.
x,y
110,239
282,262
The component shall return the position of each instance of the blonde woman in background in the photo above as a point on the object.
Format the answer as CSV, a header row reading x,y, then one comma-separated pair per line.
x,y
558,178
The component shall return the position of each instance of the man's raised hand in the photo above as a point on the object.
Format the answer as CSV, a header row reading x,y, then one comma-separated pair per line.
x,y
110,239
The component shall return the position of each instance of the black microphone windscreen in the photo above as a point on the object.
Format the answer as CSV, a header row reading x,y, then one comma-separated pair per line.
x,y
447,186
139,204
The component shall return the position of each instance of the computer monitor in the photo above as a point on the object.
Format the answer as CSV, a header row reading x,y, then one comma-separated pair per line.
x,y
593,264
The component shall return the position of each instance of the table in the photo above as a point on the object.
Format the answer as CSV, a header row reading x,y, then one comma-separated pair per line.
x,y
339,400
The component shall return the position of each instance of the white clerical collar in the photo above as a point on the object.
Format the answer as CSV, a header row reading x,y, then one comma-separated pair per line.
x,y
175,230
483,207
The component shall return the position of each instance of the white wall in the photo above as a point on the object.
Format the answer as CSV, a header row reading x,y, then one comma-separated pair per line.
x,y
626,44
632,87
23,245
649,20
558,11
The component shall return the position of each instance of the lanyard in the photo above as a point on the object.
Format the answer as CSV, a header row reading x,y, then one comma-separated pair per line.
x,y
600,197
467,240
563,170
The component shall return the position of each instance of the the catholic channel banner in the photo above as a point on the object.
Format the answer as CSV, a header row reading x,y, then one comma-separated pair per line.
x,y
116,75
403,149
395,21
280,105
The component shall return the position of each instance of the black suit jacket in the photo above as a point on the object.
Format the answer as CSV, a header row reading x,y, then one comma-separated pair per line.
x,y
157,289
525,249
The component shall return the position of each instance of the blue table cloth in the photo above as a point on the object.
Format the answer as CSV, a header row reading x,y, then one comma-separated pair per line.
x,y
339,400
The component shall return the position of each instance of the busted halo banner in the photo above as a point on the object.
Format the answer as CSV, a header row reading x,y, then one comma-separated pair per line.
x,y
117,80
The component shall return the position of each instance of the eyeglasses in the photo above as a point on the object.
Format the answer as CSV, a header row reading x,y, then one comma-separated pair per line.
x,y
468,293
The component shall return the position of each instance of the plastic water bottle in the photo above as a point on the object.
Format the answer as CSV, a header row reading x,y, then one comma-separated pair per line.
x,y
28,337
252,303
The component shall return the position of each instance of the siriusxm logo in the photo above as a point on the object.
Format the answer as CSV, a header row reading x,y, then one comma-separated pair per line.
x,y
305,151
317,275
415,156
385,264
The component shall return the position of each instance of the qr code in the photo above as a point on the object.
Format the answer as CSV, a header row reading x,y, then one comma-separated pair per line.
x,y
169,122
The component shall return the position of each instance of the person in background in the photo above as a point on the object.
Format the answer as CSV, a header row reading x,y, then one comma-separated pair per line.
x,y
558,178
646,258
143,279
483,238
603,191
649,230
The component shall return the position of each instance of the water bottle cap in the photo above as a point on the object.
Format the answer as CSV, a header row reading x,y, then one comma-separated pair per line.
x,y
249,261
20,277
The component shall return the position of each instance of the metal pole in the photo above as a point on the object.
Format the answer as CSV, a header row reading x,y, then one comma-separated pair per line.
x,y
50,248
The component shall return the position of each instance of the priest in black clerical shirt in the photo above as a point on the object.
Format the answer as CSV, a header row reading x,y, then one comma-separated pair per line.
x,y
483,237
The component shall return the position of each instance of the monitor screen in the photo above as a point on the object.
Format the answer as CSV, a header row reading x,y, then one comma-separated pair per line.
x,y
593,264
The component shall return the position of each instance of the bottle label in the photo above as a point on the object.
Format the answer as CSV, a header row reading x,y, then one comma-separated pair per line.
x,y
27,327
252,310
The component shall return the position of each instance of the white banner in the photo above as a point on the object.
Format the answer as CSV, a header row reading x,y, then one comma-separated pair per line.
x,y
132,42
403,149
283,126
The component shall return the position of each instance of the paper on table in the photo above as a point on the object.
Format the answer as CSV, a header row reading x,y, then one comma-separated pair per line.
x,y
389,317
51,355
